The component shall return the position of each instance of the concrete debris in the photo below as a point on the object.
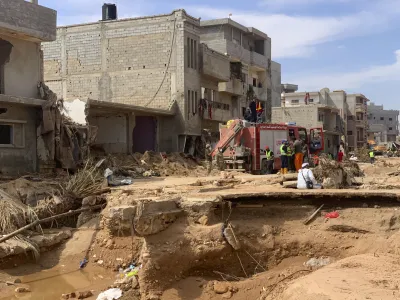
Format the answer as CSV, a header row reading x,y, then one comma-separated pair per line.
x,y
316,263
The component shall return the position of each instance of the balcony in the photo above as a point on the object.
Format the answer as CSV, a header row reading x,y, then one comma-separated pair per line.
x,y
361,123
221,112
26,20
233,87
214,64
259,61
360,108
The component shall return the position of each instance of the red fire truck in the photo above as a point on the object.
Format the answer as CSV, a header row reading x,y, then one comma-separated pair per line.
x,y
243,144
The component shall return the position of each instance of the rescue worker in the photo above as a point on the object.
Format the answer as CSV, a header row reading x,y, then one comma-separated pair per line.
x,y
298,154
340,156
284,158
270,160
208,157
219,158
306,179
290,156
372,156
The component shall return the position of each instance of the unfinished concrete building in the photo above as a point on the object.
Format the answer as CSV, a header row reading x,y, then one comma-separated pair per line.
x,y
23,26
158,80
383,124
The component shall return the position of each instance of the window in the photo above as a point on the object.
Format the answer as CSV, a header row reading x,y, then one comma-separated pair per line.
x,y
243,111
191,53
382,118
390,119
320,117
349,132
390,128
6,134
295,101
291,134
12,134
192,103
310,100
255,82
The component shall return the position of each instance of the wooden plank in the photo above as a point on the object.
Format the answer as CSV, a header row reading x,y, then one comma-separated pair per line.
x,y
309,219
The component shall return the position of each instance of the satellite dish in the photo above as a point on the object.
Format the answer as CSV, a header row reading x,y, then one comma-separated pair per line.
x,y
325,90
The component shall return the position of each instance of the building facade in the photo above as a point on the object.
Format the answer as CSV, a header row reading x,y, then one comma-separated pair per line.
x,y
383,124
357,121
312,110
176,74
23,26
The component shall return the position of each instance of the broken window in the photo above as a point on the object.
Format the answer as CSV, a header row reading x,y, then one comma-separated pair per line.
x,y
189,101
6,134
295,101
349,132
255,82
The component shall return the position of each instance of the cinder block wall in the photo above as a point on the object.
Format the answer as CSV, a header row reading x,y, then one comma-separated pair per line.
x,y
137,61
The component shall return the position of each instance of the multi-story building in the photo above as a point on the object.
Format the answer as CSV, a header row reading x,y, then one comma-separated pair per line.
x,y
159,80
23,26
383,124
312,110
357,121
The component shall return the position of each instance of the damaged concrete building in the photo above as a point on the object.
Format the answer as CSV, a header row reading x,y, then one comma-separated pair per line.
x,y
312,110
342,116
23,26
154,83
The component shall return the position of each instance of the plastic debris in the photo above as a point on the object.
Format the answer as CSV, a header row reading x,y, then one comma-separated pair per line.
x,y
83,263
332,215
110,294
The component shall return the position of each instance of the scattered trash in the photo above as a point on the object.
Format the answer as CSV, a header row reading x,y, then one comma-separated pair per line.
x,y
22,290
110,294
318,262
83,263
116,181
332,215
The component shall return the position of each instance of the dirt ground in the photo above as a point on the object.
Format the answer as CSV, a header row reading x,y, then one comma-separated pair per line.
x,y
186,251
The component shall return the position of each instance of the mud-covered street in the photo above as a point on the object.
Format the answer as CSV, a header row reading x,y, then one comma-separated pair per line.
x,y
226,236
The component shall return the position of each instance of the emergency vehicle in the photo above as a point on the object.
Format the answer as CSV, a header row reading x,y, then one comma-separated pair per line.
x,y
243,144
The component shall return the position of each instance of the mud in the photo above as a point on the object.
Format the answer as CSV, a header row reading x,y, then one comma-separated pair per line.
x,y
233,238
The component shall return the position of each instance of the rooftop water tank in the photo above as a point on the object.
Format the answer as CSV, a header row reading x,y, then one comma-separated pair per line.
x,y
109,12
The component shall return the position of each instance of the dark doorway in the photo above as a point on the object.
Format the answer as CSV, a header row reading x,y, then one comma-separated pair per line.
x,y
144,134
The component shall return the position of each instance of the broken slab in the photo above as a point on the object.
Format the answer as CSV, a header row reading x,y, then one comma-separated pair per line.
x,y
156,216
44,242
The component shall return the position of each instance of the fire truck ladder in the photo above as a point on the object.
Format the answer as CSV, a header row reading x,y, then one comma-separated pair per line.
x,y
233,131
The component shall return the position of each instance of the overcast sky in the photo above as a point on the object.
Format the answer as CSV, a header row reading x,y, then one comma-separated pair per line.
x,y
352,45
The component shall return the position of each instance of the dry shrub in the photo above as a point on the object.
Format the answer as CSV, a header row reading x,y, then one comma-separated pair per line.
x,y
85,182
14,215
328,167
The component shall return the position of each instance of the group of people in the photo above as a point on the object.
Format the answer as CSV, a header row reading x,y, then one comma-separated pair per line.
x,y
293,155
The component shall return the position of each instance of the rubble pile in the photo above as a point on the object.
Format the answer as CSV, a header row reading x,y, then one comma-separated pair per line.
x,y
362,155
333,174
152,164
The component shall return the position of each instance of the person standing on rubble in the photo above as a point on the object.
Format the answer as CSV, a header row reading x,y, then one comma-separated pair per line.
x,y
290,156
284,158
306,179
270,160
219,158
372,156
298,154
208,157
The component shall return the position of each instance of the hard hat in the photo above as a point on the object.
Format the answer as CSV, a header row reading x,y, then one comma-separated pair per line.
x,y
305,165
267,147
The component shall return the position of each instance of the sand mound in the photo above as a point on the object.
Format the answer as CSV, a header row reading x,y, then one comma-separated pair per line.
x,y
365,276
